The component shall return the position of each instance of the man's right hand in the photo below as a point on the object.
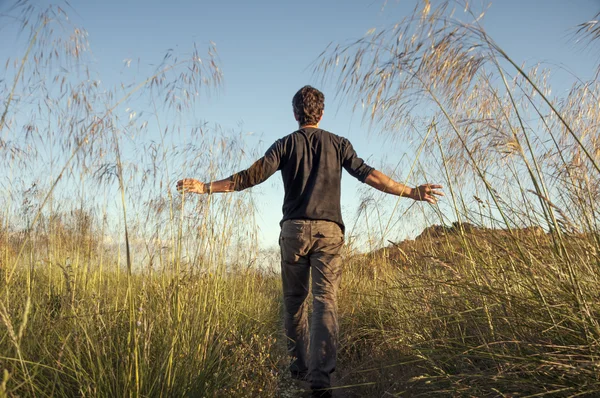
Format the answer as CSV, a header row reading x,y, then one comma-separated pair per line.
x,y
191,185
427,193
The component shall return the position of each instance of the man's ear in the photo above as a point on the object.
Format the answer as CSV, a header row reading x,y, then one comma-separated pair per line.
x,y
295,116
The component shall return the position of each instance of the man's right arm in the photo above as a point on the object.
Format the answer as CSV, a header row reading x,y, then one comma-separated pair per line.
x,y
383,183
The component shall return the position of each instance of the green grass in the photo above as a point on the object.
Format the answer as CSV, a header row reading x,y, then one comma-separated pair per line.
x,y
444,315
464,317
187,335
151,294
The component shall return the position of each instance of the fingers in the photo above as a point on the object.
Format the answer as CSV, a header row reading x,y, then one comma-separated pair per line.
x,y
181,184
428,193
433,189
187,185
430,199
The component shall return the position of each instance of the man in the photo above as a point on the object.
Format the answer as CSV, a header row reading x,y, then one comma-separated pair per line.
x,y
312,230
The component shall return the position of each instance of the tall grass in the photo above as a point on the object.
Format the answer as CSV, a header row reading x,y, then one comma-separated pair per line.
x,y
111,285
506,303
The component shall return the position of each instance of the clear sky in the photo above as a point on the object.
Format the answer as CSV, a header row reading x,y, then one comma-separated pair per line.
x,y
266,48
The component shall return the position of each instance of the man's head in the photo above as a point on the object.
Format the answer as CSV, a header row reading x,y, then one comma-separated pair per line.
x,y
308,104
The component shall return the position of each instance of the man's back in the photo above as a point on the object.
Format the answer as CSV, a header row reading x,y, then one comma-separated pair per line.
x,y
311,161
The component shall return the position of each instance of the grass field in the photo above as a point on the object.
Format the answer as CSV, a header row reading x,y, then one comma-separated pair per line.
x,y
111,285
447,314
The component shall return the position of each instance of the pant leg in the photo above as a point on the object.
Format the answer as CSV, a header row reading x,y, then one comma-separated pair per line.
x,y
295,272
325,261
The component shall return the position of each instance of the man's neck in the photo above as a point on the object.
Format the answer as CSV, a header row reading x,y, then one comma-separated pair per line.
x,y
316,126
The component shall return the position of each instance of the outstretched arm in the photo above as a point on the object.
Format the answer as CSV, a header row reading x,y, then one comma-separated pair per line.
x,y
195,186
262,169
426,192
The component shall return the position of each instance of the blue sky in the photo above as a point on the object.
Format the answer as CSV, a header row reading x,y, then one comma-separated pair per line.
x,y
266,49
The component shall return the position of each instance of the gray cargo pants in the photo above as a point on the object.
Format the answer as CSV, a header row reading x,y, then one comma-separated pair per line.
x,y
316,245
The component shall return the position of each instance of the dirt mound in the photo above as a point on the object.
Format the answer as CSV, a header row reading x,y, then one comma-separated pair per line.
x,y
437,231
445,241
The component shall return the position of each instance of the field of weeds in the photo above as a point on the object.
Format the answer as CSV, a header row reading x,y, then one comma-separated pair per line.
x,y
113,285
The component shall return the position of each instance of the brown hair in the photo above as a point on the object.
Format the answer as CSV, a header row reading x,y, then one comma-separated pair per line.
x,y
308,104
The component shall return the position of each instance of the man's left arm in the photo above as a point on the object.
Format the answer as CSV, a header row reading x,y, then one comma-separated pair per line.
x,y
191,185
260,170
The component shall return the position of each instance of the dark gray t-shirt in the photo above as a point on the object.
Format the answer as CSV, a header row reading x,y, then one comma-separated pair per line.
x,y
311,162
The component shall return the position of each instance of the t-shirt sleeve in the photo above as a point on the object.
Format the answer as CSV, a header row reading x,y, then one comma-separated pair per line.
x,y
353,164
260,170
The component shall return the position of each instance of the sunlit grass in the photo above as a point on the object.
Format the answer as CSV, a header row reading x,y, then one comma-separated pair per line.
x,y
504,303
111,284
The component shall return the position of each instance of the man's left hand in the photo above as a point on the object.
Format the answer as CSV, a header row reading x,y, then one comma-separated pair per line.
x,y
191,185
